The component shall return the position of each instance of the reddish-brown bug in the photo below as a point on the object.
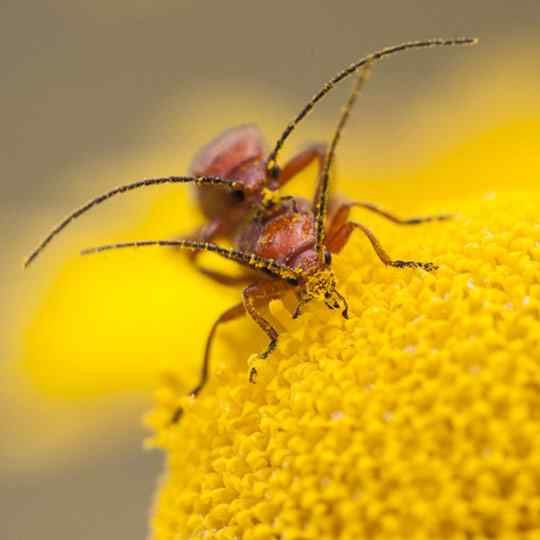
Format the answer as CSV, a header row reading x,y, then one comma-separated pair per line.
x,y
285,243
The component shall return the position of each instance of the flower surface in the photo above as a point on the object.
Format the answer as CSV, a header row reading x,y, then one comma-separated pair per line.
x,y
417,418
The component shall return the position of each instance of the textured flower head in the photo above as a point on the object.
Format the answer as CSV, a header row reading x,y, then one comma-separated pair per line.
x,y
416,418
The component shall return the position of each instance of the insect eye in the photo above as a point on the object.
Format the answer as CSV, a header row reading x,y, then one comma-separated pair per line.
x,y
327,258
238,195
274,172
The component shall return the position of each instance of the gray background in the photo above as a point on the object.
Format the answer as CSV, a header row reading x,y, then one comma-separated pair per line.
x,y
82,80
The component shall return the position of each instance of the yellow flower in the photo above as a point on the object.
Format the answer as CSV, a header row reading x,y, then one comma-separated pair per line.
x,y
421,408
417,418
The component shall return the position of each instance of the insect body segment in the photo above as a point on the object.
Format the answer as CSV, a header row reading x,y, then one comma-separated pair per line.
x,y
237,153
283,243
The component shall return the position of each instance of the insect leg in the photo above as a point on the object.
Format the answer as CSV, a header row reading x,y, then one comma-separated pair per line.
x,y
230,314
259,294
341,230
221,278
395,219
301,161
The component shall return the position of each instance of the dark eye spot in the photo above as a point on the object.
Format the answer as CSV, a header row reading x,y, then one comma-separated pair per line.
x,y
274,172
238,195
327,258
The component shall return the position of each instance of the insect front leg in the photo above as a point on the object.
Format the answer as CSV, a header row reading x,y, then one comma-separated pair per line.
x,y
340,230
255,296
230,314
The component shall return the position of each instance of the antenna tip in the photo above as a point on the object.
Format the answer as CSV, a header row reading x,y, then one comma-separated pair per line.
x,y
460,41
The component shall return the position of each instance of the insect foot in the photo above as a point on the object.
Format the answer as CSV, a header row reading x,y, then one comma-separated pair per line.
x,y
271,346
177,414
427,266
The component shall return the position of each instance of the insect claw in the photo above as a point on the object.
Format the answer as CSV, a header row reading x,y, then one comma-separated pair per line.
x,y
269,349
429,267
177,415
345,311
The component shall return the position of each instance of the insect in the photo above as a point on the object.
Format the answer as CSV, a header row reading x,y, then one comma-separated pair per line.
x,y
284,243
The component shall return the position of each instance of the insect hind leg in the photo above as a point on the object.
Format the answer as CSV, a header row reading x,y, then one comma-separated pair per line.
x,y
230,314
341,236
417,220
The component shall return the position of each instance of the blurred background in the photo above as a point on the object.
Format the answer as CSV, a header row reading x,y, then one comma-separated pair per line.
x,y
98,93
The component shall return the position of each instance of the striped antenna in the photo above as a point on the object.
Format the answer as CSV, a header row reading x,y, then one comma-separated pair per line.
x,y
321,204
198,180
251,260
272,168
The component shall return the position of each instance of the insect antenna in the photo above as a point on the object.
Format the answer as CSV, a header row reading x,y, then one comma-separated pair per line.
x,y
251,260
321,204
272,168
199,180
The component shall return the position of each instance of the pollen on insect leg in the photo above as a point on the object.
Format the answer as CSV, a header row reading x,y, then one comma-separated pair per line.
x,y
177,415
427,266
271,346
